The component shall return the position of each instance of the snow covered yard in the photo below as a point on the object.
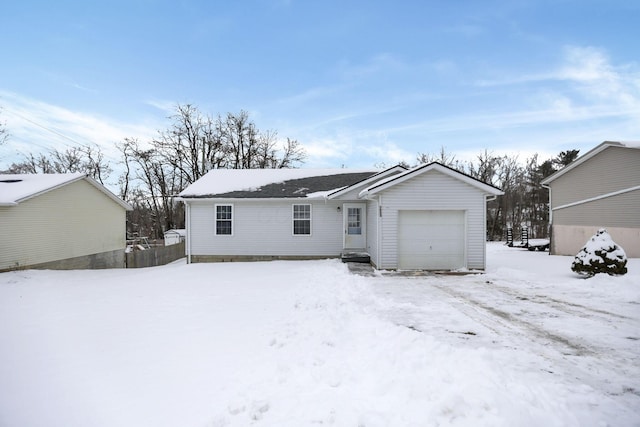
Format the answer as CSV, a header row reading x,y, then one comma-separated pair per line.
x,y
306,343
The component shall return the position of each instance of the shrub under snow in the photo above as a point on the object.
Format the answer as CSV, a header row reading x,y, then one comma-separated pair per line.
x,y
600,255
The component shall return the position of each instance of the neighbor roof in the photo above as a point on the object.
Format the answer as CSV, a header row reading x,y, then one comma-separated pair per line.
x,y
273,183
16,188
589,154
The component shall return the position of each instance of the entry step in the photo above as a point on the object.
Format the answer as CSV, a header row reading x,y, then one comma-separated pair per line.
x,y
356,256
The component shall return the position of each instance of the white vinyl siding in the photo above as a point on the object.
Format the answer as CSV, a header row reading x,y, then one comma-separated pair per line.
x,y
372,230
264,228
72,221
433,191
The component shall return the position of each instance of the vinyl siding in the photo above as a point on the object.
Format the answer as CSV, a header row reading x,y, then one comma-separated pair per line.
x,y
622,210
372,230
71,221
613,169
264,228
433,191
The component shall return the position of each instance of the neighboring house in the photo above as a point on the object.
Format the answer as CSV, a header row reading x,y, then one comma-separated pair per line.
x,y
599,189
174,236
60,221
429,217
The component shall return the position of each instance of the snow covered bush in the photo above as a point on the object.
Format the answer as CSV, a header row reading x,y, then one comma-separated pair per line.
x,y
600,255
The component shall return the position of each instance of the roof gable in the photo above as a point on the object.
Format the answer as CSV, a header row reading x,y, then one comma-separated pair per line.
x,y
418,170
272,183
17,188
588,155
367,181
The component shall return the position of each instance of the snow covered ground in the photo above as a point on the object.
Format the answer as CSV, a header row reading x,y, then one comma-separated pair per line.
x,y
529,343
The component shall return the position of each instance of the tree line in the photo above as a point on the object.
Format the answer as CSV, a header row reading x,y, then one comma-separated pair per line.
x,y
525,202
155,171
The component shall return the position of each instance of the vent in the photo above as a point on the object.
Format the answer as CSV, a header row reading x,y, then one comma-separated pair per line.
x,y
10,181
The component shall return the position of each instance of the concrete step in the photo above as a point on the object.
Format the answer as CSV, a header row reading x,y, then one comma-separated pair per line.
x,y
355,256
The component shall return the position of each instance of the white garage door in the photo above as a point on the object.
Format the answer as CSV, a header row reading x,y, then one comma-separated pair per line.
x,y
431,240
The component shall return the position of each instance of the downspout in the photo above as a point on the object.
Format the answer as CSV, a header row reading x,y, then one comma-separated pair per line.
x,y
550,210
188,225
488,198
379,226
550,230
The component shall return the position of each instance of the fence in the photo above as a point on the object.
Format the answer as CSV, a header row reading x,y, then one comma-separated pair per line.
x,y
155,255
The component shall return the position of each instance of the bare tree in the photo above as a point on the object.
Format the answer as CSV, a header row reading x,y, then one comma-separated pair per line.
x,y
444,158
87,159
4,133
154,173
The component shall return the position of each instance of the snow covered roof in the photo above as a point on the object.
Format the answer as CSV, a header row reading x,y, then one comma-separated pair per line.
x,y
273,183
589,154
16,188
395,179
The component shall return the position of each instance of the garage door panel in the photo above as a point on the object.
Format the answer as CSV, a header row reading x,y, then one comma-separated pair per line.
x,y
431,240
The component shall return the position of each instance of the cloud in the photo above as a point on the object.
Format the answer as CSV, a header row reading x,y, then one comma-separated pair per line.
x,y
36,126
379,63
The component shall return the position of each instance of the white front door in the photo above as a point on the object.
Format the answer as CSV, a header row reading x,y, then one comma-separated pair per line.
x,y
355,225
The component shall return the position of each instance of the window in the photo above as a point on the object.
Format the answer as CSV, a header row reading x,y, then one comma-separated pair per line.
x,y
301,220
354,221
224,220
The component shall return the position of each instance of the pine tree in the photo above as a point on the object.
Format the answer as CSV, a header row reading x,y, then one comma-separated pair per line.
x,y
600,255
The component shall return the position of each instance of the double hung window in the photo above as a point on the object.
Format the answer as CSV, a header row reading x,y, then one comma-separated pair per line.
x,y
224,220
301,220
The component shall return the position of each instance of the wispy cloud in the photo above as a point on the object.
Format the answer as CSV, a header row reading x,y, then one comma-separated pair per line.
x,y
36,126
380,63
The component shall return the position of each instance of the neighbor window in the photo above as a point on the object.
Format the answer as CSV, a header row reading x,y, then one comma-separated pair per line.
x,y
224,220
301,219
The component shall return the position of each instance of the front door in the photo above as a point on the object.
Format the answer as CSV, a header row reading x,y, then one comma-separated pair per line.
x,y
354,219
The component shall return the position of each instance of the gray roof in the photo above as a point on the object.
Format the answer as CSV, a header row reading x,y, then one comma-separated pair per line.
x,y
291,188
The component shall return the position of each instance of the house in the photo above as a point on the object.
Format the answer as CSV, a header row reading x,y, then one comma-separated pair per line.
x,y
174,236
60,221
599,189
429,217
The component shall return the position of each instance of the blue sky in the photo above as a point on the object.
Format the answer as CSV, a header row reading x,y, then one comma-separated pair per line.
x,y
357,83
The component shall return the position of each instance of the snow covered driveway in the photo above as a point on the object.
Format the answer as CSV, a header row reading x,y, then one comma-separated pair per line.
x,y
306,343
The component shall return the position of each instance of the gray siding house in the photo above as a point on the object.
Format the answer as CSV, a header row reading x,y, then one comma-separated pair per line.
x,y
599,189
60,221
430,217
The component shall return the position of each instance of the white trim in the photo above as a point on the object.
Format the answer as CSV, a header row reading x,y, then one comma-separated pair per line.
x,y
215,218
377,176
188,225
293,219
363,223
593,199
401,177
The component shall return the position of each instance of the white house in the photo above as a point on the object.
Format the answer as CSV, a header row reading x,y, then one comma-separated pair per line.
x,y
600,189
60,221
429,217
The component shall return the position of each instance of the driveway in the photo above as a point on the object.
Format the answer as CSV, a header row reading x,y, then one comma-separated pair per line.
x,y
576,337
